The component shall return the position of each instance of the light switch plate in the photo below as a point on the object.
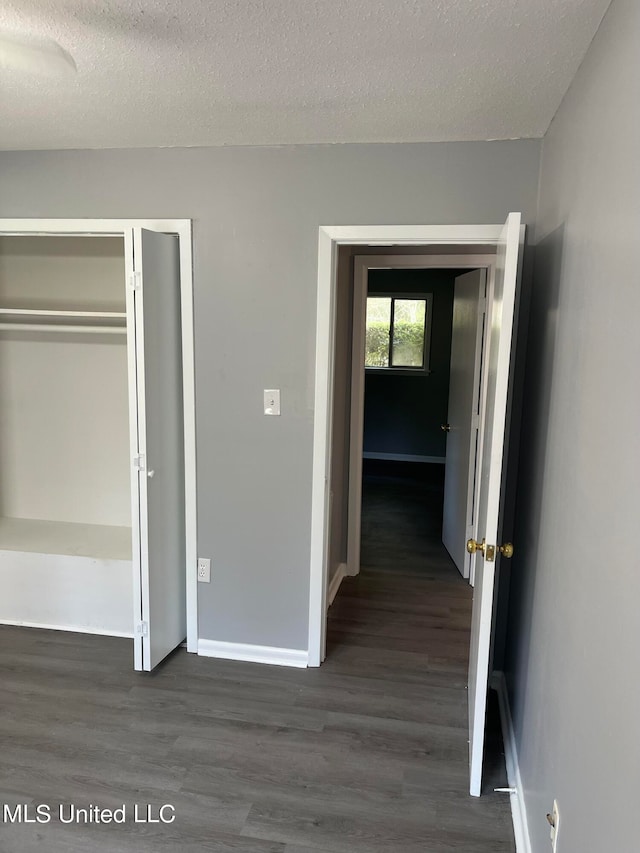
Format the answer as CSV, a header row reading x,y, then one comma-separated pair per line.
x,y
272,401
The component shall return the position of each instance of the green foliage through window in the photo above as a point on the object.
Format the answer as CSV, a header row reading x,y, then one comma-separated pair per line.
x,y
396,328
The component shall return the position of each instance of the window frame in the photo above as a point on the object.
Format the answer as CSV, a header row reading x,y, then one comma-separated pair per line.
x,y
403,370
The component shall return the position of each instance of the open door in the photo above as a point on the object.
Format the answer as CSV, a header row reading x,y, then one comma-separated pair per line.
x,y
462,416
501,306
161,623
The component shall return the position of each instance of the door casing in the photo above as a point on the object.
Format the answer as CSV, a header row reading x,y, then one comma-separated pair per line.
x,y
440,239
124,228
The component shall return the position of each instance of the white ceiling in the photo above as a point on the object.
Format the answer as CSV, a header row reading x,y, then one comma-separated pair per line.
x,y
254,72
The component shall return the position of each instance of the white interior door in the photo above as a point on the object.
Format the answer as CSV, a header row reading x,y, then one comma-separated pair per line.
x,y
462,416
501,303
162,624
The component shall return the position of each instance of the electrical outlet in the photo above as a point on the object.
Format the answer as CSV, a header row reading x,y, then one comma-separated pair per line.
x,y
554,822
204,570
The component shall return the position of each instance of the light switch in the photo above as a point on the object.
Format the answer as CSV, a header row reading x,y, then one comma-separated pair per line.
x,y
272,402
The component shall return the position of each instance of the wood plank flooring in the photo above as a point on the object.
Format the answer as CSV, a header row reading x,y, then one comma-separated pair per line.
x,y
367,754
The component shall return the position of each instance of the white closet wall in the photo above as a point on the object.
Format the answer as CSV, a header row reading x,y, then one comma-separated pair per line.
x,y
62,271
64,441
64,445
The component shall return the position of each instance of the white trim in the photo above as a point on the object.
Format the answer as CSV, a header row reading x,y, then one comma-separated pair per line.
x,y
89,227
325,331
183,229
142,647
329,238
255,654
426,261
74,629
480,386
518,806
356,413
339,575
413,235
189,409
403,457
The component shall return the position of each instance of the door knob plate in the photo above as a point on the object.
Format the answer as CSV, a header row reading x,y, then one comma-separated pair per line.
x,y
489,551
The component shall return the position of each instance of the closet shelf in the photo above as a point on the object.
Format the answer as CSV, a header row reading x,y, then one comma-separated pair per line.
x,y
58,327
46,312
105,322
34,536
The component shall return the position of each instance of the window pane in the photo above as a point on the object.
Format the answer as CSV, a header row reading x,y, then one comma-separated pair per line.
x,y
408,333
378,326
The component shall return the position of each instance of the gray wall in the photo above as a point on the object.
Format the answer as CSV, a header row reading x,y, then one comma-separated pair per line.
x,y
256,214
573,647
403,414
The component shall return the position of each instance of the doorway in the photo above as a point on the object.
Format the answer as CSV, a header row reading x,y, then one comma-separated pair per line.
x,y
501,307
453,288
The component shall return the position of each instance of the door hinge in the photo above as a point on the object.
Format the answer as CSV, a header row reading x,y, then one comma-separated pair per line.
x,y
142,629
135,280
139,462
475,421
482,304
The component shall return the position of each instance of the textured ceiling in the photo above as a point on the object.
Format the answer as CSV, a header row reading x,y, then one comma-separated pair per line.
x,y
253,72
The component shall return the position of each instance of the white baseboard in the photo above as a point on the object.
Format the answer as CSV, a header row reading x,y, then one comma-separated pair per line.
x,y
403,457
336,580
255,654
518,808
75,629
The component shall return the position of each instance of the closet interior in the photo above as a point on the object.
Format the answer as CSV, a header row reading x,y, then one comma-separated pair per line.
x,y
65,458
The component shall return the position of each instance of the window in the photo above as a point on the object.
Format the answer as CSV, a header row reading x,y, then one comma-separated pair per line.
x,y
397,332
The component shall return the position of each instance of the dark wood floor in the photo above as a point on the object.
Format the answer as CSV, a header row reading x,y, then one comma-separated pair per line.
x,y
367,754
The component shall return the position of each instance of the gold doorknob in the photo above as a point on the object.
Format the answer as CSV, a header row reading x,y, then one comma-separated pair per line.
x,y
473,546
506,550
445,427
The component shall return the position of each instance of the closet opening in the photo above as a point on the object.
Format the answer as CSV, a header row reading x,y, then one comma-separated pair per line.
x,y
65,493
97,530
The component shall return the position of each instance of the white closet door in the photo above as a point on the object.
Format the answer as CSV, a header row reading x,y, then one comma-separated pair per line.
x,y
160,447
501,306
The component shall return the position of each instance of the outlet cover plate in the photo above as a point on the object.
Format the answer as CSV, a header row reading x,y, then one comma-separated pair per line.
x,y
204,570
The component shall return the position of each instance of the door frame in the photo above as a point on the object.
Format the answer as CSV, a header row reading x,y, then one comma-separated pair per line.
x,y
437,238
124,228
362,265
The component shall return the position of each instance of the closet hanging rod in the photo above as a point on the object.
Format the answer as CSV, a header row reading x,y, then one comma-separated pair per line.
x,y
46,312
54,327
